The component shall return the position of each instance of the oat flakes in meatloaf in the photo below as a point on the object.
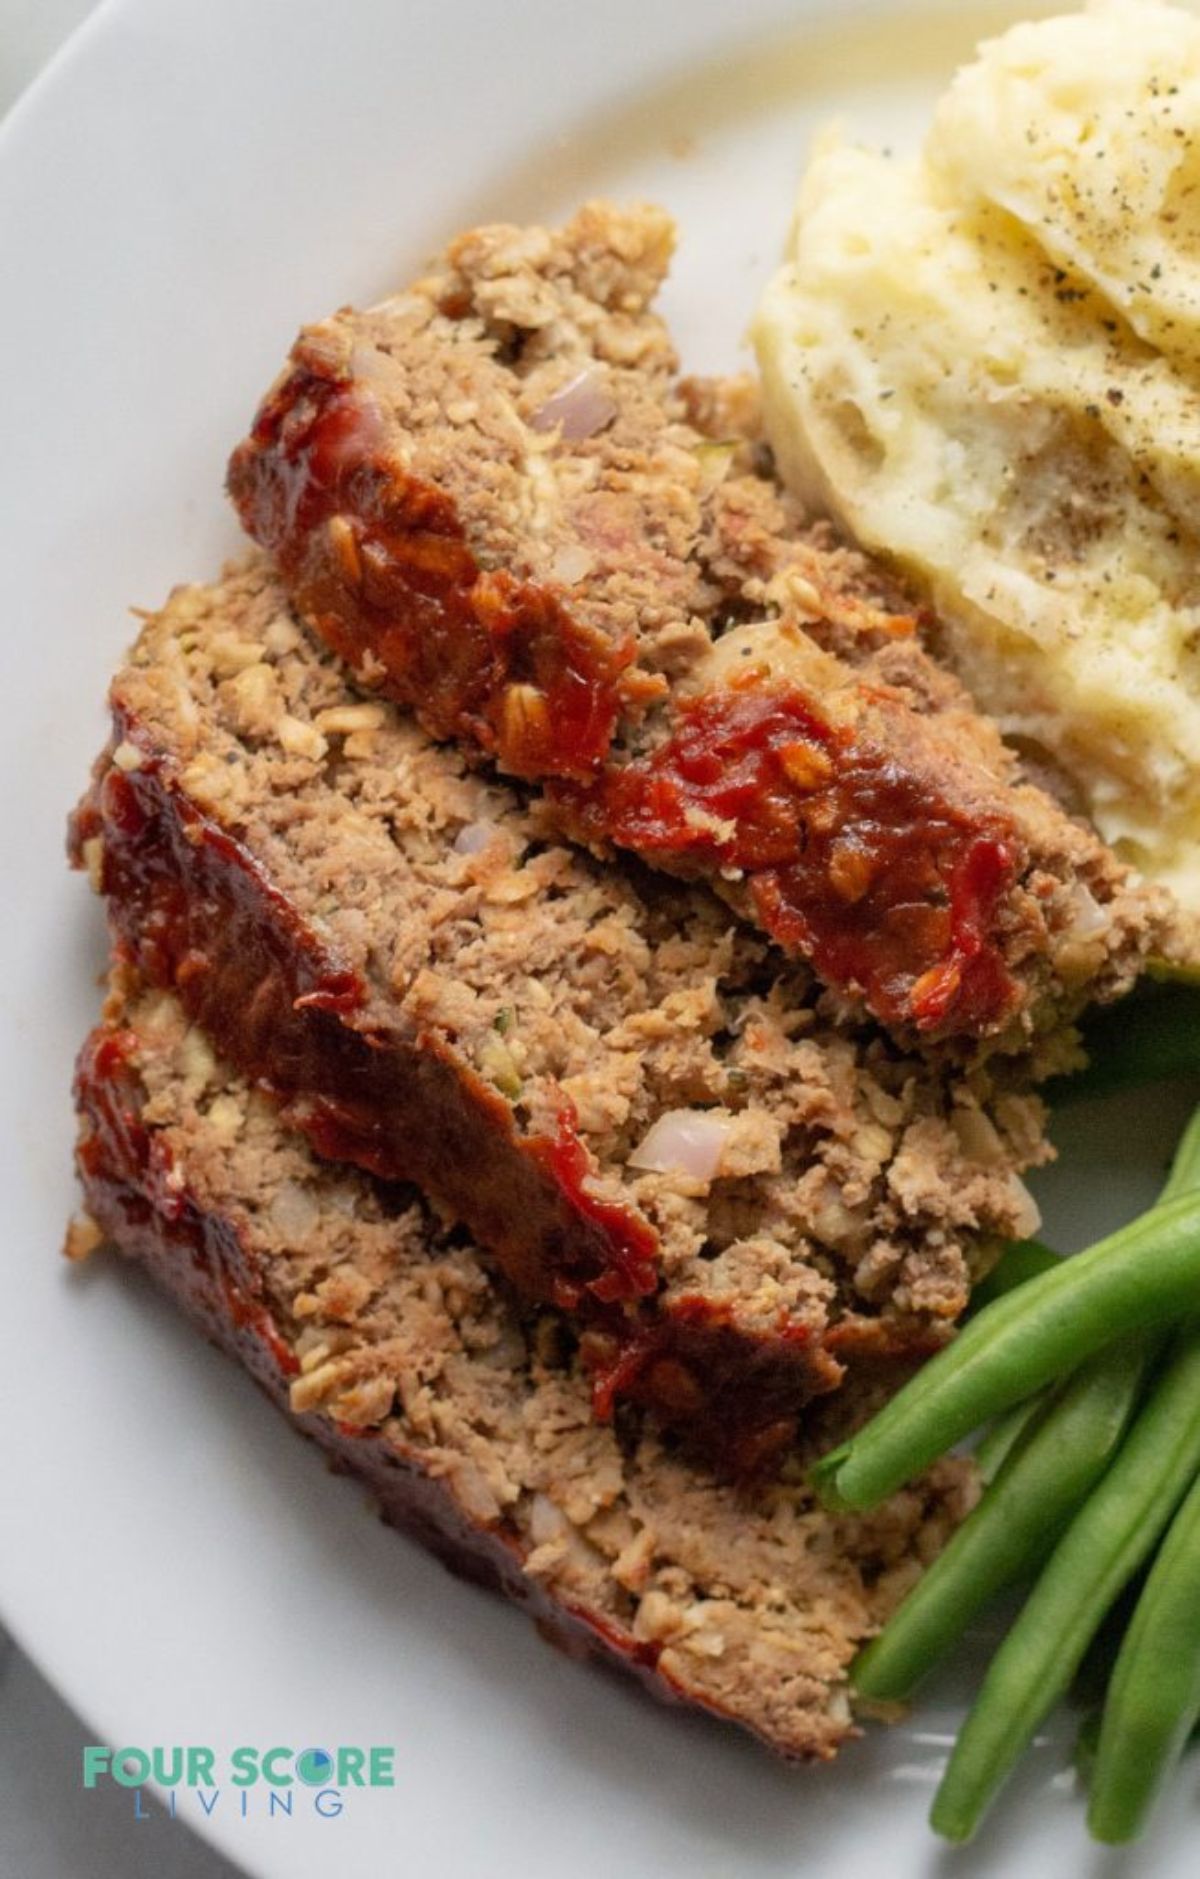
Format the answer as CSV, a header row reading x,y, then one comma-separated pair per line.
x,y
471,1422
736,1188
494,497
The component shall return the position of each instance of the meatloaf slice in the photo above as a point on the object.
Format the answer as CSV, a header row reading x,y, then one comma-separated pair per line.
x,y
493,497
618,1090
390,1345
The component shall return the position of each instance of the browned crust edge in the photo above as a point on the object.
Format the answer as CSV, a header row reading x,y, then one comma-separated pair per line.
x,y
200,1262
191,910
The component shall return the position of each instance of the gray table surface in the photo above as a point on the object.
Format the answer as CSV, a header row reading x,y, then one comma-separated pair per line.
x,y
48,1828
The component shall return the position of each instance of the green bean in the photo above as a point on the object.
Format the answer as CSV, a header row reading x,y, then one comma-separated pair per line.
x,y
1014,1526
1021,1261
1042,1456
1087,1740
1112,1534
1125,1795
1153,1701
1151,1037
1028,1259
1152,1472
1005,1434
1092,1679
1184,1177
1018,1263
1144,1274
1173,971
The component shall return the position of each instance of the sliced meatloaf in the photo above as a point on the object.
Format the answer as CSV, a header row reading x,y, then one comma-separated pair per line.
x,y
644,1119
493,497
387,1340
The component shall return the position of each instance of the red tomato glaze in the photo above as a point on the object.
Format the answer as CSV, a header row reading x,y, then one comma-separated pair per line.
x,y
378,560
850,857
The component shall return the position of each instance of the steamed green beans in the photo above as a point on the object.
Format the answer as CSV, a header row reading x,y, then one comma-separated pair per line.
x,y
1014,1526
1110,1537
1184,1176
1020,1262
1153,1702
1151,1037
1113,1533
1173,971
1042,1456
1005,1434
1143,1275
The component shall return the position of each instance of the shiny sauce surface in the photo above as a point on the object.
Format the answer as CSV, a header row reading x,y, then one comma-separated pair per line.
x,y
850,857
379,560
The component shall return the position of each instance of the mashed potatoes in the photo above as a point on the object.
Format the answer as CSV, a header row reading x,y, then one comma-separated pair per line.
x,y
987,362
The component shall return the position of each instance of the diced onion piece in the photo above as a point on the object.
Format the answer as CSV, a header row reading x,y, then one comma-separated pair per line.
x,y
714,458
546,1521
1028,1215
473,837
684,1141
474,1492
978,1136
1090,919
572,564
578,409
370,365
294,1212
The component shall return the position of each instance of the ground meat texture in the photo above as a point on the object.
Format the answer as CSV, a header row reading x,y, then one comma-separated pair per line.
x,y
494,498
390,1344
736,1188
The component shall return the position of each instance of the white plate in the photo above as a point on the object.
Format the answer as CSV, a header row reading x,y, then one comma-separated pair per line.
x,y
187,183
